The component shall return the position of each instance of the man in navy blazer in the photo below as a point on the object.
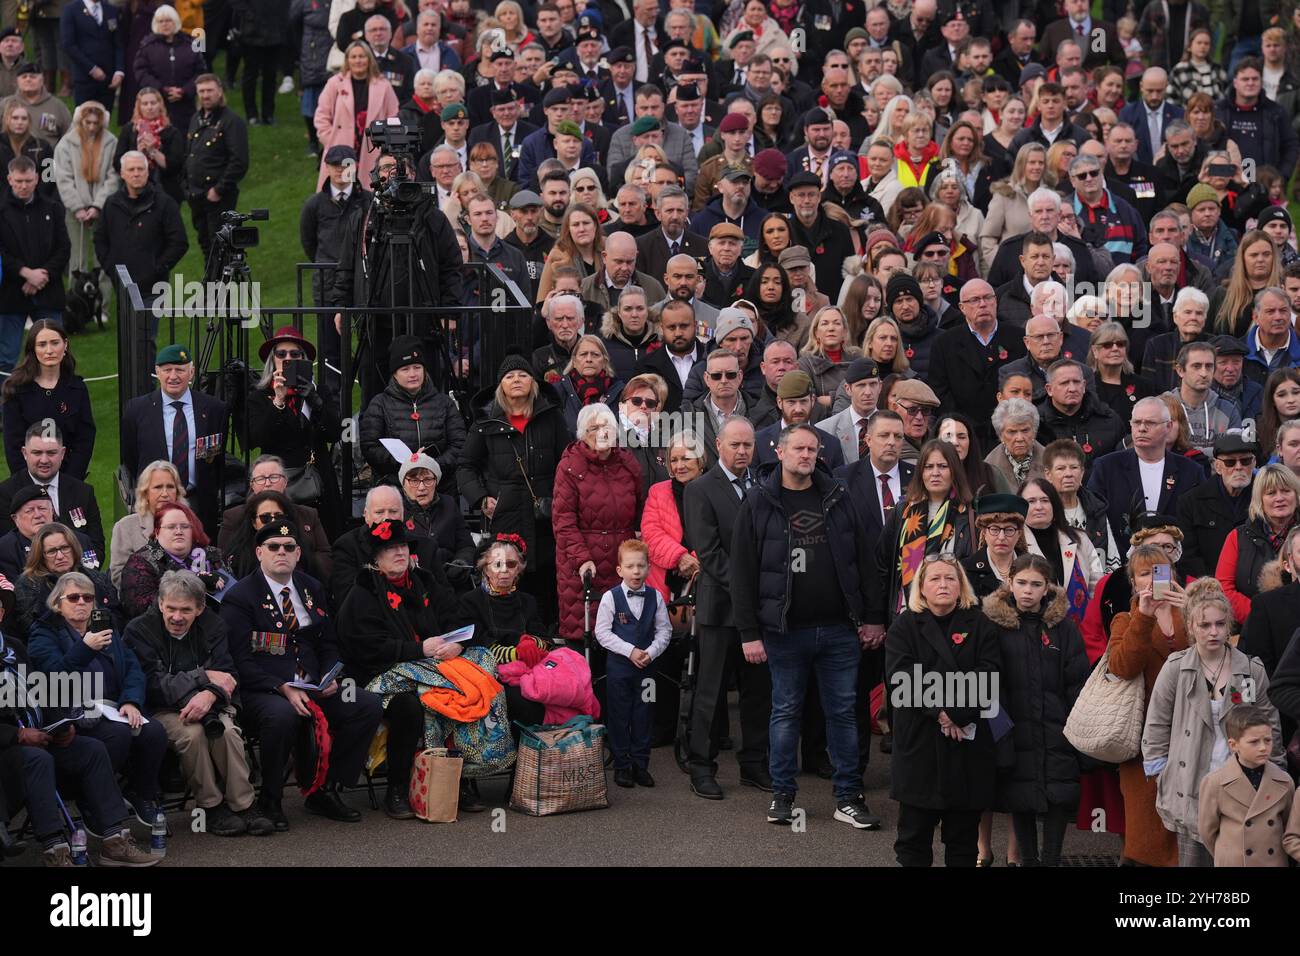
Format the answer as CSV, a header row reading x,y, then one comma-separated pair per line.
x,y
149,430
281,632
1145,477
1155,82
90,34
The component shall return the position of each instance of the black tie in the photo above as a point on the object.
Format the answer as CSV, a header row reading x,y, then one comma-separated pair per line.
x,y
181,444
674,247
740,485
639,594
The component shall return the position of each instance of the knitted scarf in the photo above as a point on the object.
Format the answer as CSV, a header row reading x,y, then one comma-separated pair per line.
x,y
148,135
591,388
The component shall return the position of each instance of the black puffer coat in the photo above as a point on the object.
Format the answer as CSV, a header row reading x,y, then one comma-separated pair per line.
x,y
490,463
310,22
428,420
1044,666
262,23
931,770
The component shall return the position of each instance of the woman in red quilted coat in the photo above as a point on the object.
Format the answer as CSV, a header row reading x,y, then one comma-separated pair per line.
x,y
597,506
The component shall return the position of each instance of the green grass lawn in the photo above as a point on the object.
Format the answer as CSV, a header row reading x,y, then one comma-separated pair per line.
x,y
280,178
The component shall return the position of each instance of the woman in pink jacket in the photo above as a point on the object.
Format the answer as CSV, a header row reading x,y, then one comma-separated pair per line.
x,y
661,522
351,100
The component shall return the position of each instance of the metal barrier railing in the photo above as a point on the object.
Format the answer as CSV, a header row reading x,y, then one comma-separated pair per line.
x,y
471,342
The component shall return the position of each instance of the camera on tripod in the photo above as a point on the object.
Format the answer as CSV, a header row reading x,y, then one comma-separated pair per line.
x,y
402,142
235,236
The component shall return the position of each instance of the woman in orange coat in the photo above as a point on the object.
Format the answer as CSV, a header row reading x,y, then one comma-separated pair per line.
x,y
1140,642
351,100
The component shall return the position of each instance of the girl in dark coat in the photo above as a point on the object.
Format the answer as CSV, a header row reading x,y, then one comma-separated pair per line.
x,y
508,467
1044,667
45,386
298,425
167,61
941,774
412,410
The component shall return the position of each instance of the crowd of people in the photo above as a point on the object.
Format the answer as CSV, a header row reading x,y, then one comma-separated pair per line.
x,y
934,340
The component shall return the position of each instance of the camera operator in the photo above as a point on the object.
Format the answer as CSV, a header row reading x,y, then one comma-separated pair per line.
x,y
216,159
384,280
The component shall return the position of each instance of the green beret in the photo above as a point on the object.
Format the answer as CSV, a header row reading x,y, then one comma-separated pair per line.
x,y
741,37
794,384
646,124
454,112
568,128
173,355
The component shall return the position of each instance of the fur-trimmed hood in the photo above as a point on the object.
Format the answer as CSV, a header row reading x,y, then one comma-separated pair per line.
x,y
1000,607
1273,576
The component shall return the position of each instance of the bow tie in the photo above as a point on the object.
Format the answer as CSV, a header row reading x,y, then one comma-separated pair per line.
x,y
639,594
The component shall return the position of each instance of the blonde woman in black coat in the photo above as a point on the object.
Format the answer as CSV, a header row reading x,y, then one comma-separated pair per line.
x,y
944,765
1044,666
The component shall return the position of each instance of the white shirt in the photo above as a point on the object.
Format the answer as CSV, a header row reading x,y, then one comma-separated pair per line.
x,y
299,609
605,623
642,64
683,364
1272,77
732,477
895,486
430,59
96,10
1051,134
1153,476
51,488
339,194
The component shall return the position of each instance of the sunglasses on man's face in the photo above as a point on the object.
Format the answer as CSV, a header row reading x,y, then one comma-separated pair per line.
x,y
641,402
275,547
1088,173
719,376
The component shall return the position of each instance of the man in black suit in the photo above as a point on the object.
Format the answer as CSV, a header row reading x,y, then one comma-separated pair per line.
x,y
1017,53
682,349
480,99
73,500
281,633
1209,512
964,361
619,90
180,425
506,131
656,247
1078,25
643,35
943,56
1118,477
711,505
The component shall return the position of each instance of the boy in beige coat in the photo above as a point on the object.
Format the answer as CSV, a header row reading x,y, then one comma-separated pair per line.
x,y
1248,812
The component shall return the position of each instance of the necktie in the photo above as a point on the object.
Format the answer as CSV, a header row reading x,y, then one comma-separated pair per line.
x,y
649,50
740,485
286,608
862,439
98,13
817,167
886,495
1153,128
674,247
181,443
1078,28
507,144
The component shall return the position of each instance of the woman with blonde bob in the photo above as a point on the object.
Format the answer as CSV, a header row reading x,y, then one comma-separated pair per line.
x,y
1185,736
826,354
159,483
1274,498
944,768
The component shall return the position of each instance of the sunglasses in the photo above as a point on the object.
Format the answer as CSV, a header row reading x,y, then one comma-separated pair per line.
x,y
941,559
80,598
1088,173
275,547
640,402
1234,462
268,518
914,411
719,376
288,353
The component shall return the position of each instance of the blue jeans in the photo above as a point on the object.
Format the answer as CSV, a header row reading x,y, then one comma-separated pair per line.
x,y
1244,47
832,653
11,333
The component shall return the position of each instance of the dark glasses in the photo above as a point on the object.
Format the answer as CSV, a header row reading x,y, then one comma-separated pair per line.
x,y
275,547
268,518
79,598
640,402
288,353
719,376
1236,462
1088,173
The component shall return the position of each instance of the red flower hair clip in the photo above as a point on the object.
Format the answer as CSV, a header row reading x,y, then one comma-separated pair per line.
x,y
517,541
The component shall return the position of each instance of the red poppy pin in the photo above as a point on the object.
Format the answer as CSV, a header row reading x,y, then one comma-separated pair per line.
x,y
410,524
1235,696
1130,389
909,353
415,416
740,289
1068,354
552,376
821,250
394,600
1087,448
1047,641
426,602
1002,355
383,531
959,637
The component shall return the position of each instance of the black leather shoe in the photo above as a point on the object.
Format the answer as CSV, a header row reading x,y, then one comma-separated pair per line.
x,y
706,786
623,777
328,804
756,777
396,805
272,810
642,777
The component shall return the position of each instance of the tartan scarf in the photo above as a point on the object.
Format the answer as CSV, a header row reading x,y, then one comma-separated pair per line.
x,y
920,536
590,388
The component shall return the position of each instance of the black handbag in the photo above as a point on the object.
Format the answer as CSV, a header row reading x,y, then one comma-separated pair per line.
x,y
306,486
541,506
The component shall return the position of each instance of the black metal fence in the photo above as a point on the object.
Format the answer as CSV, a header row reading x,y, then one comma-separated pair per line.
x,y
472,342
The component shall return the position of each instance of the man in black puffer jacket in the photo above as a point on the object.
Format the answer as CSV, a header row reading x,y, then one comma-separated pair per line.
x,y
799,577
412,410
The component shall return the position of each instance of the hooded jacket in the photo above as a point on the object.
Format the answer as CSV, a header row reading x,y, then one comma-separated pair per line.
x,y
175,669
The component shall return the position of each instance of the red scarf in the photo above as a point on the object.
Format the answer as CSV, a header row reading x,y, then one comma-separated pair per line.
x,y
148,135
422,106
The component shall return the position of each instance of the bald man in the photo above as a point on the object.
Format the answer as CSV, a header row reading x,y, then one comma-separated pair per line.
x,y
1151,113
965,359
683,282
618,270
1044,343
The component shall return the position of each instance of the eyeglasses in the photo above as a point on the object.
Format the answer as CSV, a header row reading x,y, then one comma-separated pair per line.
x,y
719,376
641,402
80,598
1245,460
275,547
914,411
1044,336
1001,531
980,298
269,516
1087,174
1111,345
174,527
261,481
421,482
61,549
1147,423
510,564
288,353
935,253
942,559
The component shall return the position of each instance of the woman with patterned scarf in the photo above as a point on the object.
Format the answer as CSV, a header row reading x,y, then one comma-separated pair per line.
x,y
588,378
390,631
935,517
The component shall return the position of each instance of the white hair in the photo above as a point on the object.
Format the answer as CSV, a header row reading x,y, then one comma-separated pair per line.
x,y
597,413
569,299
1043,192
165,12
132,154
424,73
1049,287
1061,251
1193,295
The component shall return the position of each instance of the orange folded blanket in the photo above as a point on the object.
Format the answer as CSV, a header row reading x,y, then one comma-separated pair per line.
x,y
472,696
